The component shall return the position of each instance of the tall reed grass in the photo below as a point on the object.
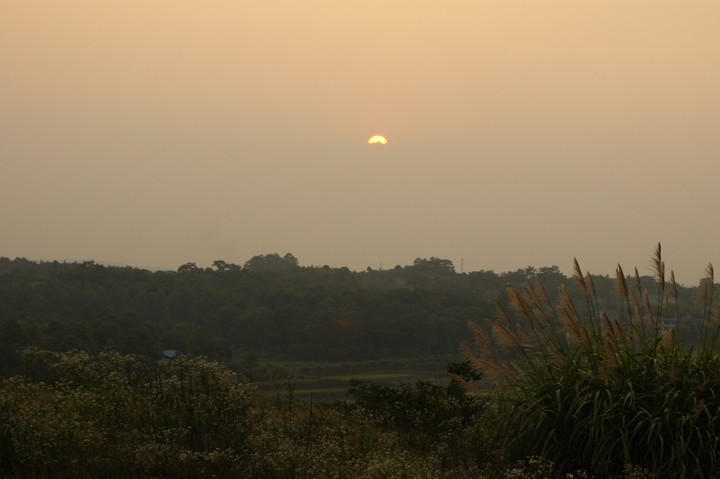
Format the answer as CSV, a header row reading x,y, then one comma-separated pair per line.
x,y
587,389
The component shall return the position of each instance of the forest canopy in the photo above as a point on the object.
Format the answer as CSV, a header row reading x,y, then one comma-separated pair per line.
x,y
270,306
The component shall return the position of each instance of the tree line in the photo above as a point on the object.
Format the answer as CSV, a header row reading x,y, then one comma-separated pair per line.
x,y
270,306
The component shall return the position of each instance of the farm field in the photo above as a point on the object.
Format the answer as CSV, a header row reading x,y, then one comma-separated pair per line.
x,y
329,381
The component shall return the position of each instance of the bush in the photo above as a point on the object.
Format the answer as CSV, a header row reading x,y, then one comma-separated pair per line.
x,y
118,415
429,418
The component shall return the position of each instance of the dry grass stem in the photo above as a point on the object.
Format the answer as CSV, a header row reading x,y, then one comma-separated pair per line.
x,y
648,308
518,303
578,275
481,337
607,327
502,313
506,338
590,283
658,266
621,282
566,300
619,332
572,325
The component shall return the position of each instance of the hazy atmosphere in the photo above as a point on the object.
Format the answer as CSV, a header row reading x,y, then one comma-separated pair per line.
x,y
155,133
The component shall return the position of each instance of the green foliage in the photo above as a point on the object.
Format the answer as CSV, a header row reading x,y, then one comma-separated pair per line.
x,y
271,262
583,395
271,305
585,391
430,418
79,415
113,415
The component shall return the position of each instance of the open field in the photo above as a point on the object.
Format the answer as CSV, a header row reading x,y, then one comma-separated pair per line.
x,y
327,381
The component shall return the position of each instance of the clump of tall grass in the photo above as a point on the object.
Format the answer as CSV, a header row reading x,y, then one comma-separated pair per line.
x,y
593,390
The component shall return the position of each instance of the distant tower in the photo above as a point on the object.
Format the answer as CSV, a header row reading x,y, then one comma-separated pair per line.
x,y
462,265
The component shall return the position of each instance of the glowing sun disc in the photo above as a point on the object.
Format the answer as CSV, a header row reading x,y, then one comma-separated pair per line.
x,y
377,139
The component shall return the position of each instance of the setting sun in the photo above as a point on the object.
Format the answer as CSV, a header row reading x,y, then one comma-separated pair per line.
x,y
377,139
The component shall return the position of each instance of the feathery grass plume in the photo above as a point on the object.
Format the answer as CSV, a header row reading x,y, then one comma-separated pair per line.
x,y
495,369
470,353
662,273
534,297
502,312
622,287
530,295
637,310
591,284
619,332
658,266
511,327
621,282
572,325
567,300
612,353
506,335
482,339
529,307
545,295
506,338
578,275
607,327
518,303
546,301
484,348
611,340
539,310
485,359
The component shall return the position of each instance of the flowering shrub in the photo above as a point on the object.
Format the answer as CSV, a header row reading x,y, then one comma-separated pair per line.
x,y
111,412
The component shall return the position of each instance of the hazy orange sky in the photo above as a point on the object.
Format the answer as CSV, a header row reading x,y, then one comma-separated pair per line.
x,y
158,132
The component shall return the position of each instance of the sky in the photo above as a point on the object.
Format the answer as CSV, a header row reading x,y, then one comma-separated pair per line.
x,y
520,133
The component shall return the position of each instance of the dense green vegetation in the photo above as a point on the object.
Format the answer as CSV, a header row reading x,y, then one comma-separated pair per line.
x,y
616,378
587,391
268,308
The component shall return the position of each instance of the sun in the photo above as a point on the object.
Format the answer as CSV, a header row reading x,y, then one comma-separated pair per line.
x,y
377,140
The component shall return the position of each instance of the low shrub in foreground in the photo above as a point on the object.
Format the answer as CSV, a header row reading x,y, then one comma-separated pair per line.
x,y
114,415
111,415
431,418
